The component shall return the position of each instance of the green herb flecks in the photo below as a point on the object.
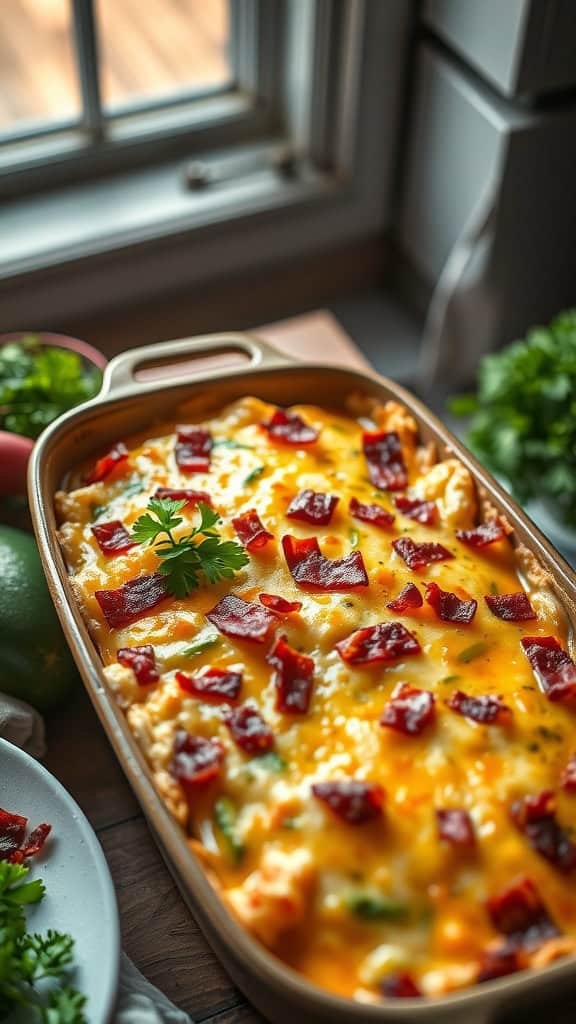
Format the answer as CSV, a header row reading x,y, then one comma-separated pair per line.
x,y
370,905
228,442
134,486
472,652
450,679
205,639
494,588
226,819
253,475
97,511
354,537
271,761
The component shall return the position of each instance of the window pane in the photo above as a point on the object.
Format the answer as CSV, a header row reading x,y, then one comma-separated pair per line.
x,y
161,48
38,80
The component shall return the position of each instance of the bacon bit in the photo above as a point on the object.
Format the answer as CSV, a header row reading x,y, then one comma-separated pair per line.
x,y
104,466
294,679
35,842
212,684
193,448
384,642
243,620
417,555
142,661
497,962
409,710
249,730
279,605
518,912
400,985
485,709
251,531
195,760
132,600
312,507
568,778
354,802
13,847
535,817
192,498
409,597
553,667
312,569
455,827
510,607
448,606
482,535
383,453
425,512
289,428
113,537
375,514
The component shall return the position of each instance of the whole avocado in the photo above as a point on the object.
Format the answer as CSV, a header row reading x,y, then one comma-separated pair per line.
x,y
35,663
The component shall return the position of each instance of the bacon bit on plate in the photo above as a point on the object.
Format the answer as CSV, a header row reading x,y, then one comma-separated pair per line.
x,y
482,535
518,913
353,802
289,428
13,846
510,607
448,606
553,667
193,448
312,507
409,710
375,514
535,817
133,599
417,555
383,453
249,730
251,531
142,661
384,642
310,568
400,985
485,709
295,674
568,778
243,620
104,466
196,760
279,605
212,684
425,512
409,597
498,962
455,827
192,498
113,537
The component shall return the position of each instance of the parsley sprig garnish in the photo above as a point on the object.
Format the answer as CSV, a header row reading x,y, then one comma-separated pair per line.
x,y
201,550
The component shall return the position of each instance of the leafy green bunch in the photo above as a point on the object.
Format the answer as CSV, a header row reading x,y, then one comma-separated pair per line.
x,y
524,414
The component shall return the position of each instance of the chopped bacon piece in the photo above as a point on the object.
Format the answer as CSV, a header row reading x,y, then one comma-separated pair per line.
x,y
418,555
409,597
289,428
132,600
455,826
192,498
448,606
510,607
497,962
35,841
486,710
193,448
400,985
409,710
251,531
354,802
243,620
312,507
425,512
212,684
482,535
310,568
12,831
294,679
113,537
383,453
196,760
553,667
142,661
535,817
568,778
375,514
518,913
386,641
104,466
279,605
249,730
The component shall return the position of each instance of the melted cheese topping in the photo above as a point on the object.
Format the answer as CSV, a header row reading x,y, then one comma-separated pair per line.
x,y
303,870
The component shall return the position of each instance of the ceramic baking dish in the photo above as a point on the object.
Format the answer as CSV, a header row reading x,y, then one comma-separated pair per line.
x,y
129,402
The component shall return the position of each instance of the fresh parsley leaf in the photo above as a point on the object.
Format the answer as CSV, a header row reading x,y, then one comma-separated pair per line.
x,y
253,475
65,1006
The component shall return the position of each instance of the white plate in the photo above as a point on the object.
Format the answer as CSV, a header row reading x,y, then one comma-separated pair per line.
x,y
80,895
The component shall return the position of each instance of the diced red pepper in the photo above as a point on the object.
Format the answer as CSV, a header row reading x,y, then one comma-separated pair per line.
x,y
518,913
279,605
455,827
240,619
409,710
553,667
251,531
353,802
294,680
384,642
383,453
104,466
249,730
289,428
192,498
498,962
375,514
480,536
36,840
196,761
448,606
425,512
113,537
510,607
535,817
142,661
193,448
409,597
132,600
485,709
400,985
215,684
12,832
311,569
312,507
418,555
568,778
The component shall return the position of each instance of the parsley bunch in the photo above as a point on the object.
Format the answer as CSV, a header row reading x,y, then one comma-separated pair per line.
x,y
27,958
201,550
